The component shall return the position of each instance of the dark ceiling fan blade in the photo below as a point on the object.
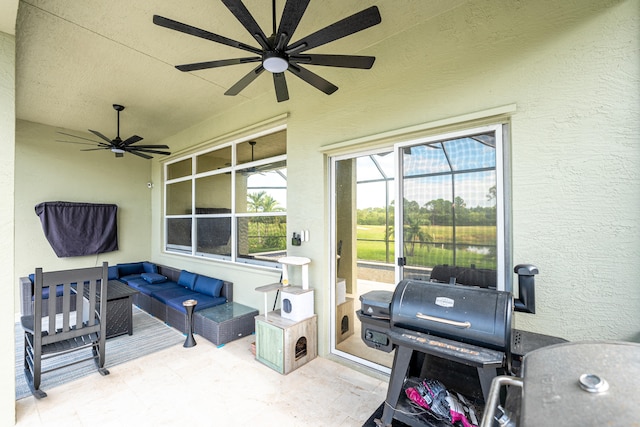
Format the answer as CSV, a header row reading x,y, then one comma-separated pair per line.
x,y
137,147
347,26
345,61
137,154
215,64
244,82
132,140
282,92
98,134
313,79
79,137
241,13
100,144
144,150
194,31
96,149
291,16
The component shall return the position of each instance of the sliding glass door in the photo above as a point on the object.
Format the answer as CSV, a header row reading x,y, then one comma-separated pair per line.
x,y
419,210
364,199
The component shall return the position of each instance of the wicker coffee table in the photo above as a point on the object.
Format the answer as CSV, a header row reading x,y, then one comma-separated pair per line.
x,y
224,323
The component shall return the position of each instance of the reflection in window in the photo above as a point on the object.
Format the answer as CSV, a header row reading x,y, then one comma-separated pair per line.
x,y
262,238
214,236
179,169
179,198
213,192
179,235
214,160
265,188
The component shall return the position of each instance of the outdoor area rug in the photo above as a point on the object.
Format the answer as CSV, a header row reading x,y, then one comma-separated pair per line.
x,y
149,335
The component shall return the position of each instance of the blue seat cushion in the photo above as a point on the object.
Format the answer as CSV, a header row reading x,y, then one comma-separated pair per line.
x,y
59,291
130,277
204,301
165,295
45,291
147,288
208,286
187,279
154,277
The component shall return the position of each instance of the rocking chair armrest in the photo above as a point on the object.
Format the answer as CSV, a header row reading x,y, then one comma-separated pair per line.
x,y
27,323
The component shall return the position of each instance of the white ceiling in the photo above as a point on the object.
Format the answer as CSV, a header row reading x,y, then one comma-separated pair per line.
x,y
74,59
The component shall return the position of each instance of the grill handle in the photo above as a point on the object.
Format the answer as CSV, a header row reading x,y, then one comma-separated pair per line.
x,y
465,325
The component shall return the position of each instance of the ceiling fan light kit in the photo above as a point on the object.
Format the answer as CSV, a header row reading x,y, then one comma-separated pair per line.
x,y
275,53
274,63
117,145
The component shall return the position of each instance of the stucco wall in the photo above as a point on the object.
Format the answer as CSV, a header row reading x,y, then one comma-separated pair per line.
x,y
571,69
47,170
7,142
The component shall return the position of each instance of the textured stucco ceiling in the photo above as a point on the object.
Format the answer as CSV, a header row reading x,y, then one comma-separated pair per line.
x,y
74,59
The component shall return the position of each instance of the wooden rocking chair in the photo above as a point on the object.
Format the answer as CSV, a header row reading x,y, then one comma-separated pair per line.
x,y
69,330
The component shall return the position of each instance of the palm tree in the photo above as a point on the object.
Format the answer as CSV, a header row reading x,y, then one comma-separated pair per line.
x,y
255,201
262,202
413,233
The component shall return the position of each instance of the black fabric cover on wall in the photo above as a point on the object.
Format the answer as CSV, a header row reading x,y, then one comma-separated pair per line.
x,y
76,229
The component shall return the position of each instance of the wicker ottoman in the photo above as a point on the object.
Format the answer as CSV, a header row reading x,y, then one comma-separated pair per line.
x,y
225,322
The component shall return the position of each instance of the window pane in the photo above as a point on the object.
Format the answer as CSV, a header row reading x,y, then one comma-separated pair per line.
x,y
179,198
450,204
264,147
179,234
214,192
262,238
472,152
213,160
475,210
214,236
206,193
262,189
179,169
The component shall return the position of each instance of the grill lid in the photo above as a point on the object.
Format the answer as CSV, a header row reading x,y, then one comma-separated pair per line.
x,y
467,314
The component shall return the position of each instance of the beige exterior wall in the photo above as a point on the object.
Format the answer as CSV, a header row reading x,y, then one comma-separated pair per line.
x,y
571,68
47,170
7,144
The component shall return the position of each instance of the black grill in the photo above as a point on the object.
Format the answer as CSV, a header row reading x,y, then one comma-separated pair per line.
x,y
464,325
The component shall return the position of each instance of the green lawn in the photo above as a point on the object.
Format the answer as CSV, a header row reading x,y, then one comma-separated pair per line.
x,y
432,253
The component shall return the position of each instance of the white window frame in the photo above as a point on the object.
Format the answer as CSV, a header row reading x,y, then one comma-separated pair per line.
x,y
234,214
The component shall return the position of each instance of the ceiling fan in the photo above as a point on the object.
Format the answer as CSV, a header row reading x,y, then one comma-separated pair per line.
x,y
270,167
117,145
276,54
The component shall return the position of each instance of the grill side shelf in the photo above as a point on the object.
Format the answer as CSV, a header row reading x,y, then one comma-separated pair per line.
x,y
467,354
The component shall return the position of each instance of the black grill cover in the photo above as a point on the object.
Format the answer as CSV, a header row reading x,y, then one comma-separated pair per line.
x,y
467,314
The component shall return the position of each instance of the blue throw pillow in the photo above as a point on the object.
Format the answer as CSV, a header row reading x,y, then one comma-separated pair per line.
x,y
187,279
208,286
154,277
149,267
